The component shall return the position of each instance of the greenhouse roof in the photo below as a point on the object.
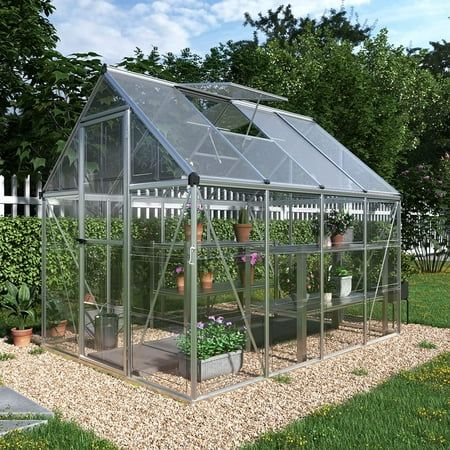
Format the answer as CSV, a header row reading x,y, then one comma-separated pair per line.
x,y
214,130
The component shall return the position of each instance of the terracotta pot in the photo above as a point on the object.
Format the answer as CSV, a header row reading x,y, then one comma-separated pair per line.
x,y
187,231
242,274
58,330
337,240
206,280
21,338
180,283
242,231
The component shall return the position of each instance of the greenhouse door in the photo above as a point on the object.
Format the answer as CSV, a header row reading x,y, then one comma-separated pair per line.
x,y
101,240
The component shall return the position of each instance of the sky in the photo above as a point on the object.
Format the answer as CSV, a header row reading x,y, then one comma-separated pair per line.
x,y
114,28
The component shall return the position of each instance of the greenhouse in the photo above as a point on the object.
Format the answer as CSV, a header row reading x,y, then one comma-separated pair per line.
x,y
197,240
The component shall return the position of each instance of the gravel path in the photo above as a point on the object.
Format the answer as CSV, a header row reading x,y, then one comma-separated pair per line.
x,y
137,418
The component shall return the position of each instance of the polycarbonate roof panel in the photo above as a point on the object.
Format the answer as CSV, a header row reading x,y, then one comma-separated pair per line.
x,y
339,154
192,138
233,91
322,171
276,165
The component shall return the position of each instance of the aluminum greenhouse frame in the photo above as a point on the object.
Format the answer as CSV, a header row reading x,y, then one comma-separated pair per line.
x,y
147,164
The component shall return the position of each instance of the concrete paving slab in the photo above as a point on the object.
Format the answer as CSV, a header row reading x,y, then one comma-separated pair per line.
x,y
9,425
12,403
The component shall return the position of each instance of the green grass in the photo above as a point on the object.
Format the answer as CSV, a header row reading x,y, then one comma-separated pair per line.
x,y
409,411
429,299
55,435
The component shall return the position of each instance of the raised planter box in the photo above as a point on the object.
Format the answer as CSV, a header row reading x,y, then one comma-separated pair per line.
x,y
215,366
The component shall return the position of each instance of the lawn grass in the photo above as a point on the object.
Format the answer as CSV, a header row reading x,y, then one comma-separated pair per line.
x,y
55,435
429,299
409,411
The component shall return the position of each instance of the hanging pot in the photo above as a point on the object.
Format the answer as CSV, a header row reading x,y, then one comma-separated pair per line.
x,y
337,239
242,274
180,283
206,280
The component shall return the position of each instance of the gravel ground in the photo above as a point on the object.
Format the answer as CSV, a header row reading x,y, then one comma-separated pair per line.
x,y
137,418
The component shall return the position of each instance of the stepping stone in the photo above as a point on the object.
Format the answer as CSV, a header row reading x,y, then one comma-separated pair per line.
x,y
9,425
12,403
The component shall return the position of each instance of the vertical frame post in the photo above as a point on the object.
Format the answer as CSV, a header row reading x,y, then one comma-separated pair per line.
x,y
44,269
266,285
81,235
399,266
193,290
365,216
322,275
126,255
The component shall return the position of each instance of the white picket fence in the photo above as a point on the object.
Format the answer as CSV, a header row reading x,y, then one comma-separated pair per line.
x,y
22,199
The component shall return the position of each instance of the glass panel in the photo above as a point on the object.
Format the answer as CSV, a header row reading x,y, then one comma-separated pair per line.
x,y
149,159
294,291
345,159
234,91
104,157
103,304
105,98
383,291
315,164
65,174
62,274
225,115
190,134
382,223
270,160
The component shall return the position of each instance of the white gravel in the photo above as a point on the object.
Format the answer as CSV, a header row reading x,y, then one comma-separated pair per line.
x,y
138,418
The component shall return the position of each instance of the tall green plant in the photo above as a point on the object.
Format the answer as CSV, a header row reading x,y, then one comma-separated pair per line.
x,y
19,304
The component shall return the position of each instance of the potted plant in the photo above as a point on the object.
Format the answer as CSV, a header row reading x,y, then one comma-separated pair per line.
x,y
219,349
56,318
343,279
179,274
187,222
205,270
19,304
243,228
254,258
336,224
329,286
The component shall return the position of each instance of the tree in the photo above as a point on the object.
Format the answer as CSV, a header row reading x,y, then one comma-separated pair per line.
x,y
42,91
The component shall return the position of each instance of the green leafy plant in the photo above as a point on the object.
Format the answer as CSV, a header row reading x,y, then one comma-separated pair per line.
x,y
36,351
427,344
56,311
341,272
200,214
282,378
19,303
360,372
337,222
243,216
408,266
214,337
7,356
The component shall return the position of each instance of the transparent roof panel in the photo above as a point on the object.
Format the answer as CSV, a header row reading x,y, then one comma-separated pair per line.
x,y
198,145
149,159
233,91
339,154
270,160
105,98
313,162
65,173
224,115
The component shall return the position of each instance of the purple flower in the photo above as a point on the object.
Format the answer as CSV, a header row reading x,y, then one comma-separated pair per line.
x,y
200,325
219,319
254,258
178,270
212,318
228,324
